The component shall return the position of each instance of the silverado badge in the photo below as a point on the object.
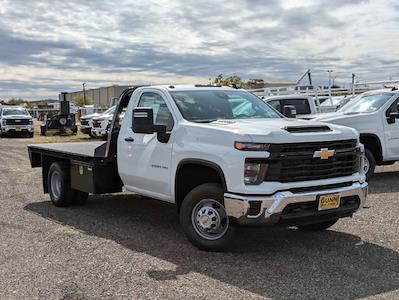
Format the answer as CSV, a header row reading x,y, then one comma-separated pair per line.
x,y
324,153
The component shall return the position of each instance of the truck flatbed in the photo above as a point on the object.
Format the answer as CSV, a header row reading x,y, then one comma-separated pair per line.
x,y
81,149
91,169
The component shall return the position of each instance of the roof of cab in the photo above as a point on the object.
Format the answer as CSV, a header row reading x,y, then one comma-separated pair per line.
x,y
192,87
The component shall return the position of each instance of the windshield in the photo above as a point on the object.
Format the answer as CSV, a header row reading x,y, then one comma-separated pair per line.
x,y
335,101
366,103
208,106
110,110
15,111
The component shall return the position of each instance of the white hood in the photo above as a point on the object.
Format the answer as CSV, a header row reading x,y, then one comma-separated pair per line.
x,y
90,116
277,130
362,122
17,117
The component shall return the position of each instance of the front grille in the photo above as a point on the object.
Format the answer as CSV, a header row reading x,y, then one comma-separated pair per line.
x,y
17,122
302,209
84,122
295,162
96,124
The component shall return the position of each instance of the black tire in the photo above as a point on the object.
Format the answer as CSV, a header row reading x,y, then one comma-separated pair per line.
x,y
318,226
63,195
43,130
191,202
2,135
371,159
31,134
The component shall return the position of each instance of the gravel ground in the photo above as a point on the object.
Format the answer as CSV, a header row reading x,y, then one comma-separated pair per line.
x,y
126,246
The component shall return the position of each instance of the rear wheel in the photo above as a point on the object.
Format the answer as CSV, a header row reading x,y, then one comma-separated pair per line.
x,y
204,218
59,186
318,226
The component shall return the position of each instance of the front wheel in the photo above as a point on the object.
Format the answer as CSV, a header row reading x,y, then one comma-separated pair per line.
x,y
369,163
204,218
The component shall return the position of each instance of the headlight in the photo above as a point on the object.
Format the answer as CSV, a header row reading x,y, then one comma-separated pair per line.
x,y
4,122
254,172
244,146
30,122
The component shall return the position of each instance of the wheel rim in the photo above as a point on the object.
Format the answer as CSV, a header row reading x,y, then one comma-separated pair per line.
x,y
56,184
209,219
366,164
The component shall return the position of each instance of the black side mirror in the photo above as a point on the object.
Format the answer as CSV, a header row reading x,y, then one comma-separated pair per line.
x,y
143,121
289,111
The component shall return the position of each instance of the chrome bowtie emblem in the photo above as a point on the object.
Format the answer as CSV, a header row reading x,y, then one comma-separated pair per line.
x,y
324,153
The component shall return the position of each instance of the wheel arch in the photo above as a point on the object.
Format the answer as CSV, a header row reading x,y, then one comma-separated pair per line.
x,y
206,172
373,143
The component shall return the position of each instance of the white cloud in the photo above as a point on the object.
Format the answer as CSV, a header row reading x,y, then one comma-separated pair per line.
x,y
47,46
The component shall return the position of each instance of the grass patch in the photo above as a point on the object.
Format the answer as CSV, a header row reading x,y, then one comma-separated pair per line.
x,y
68,229
55,137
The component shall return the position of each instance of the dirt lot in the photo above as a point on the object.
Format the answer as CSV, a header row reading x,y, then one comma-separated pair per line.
x,y
126,246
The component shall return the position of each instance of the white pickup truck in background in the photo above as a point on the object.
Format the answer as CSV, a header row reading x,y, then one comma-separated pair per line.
x,y
100,123
375,116
15,119
220,155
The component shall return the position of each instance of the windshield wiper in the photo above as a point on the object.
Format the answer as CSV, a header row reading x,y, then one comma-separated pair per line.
x,y
206,121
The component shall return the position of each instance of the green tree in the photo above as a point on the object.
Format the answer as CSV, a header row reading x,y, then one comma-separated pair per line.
x,y
232,80
78,100
14,101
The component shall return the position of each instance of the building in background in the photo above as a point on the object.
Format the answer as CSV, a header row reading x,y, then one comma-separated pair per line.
x,y
102,97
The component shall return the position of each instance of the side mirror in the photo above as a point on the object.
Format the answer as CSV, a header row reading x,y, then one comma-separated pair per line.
x,y
143,121
289,111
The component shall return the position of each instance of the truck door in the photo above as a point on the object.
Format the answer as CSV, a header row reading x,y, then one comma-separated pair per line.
x,y
145,163
391,132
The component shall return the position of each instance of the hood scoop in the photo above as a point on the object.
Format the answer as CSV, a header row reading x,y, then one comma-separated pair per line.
x,y
303,129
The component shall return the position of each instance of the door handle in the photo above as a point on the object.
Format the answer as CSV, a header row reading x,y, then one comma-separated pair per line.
x,y
129,139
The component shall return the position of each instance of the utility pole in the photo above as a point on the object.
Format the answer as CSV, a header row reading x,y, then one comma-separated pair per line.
x,y
84,93
329,84
353,84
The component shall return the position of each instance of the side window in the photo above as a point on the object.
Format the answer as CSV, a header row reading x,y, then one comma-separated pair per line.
x,y
275,104
393,107
162,115
301,105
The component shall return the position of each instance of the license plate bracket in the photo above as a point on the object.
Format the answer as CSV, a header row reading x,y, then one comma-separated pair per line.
x,y
329,201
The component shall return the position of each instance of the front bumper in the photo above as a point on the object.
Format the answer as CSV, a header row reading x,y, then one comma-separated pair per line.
x,y
17,128
85,129
98,131
271,209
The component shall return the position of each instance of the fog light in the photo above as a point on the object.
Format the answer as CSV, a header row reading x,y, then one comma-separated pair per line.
x,y
254,172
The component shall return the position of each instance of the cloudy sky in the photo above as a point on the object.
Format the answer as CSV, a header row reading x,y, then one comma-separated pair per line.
x,y
49,46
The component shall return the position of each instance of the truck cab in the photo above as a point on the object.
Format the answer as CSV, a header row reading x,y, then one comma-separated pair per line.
x,y
375,116
15,119
221,156
304,105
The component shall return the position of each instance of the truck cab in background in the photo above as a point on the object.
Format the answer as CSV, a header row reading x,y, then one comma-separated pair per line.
x,y
375,116
304,105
